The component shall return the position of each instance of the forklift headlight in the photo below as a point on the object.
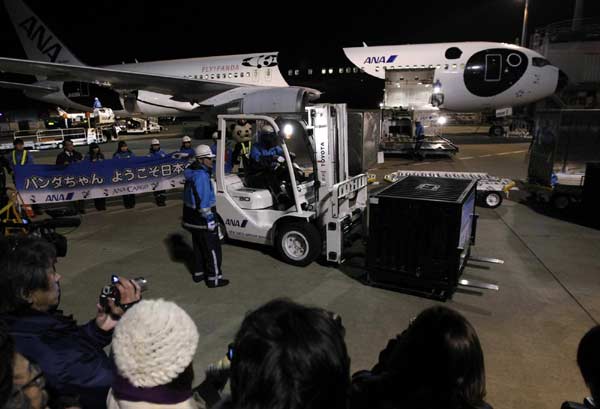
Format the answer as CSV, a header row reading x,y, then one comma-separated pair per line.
x,y
288,129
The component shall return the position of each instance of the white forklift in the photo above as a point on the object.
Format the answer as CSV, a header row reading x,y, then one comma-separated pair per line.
x,y
327,205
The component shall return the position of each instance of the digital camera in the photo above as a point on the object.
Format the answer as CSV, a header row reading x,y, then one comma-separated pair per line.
x,y
111,291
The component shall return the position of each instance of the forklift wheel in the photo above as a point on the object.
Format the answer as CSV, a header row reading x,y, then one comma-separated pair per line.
x,y
492,200
298,243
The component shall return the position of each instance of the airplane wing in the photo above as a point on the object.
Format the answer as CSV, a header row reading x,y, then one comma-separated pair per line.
x,y
28,87
183,89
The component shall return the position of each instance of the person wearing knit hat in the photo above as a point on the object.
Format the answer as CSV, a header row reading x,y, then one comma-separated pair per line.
x,y
153,348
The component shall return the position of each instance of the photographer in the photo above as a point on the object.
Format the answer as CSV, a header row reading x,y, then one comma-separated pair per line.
x,y
71,356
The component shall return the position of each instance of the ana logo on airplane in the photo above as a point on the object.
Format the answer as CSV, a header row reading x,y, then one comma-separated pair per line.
x,y
261,61
45,43
381,60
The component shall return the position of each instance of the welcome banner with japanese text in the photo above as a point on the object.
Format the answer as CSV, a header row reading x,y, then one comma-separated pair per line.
x,y
39,184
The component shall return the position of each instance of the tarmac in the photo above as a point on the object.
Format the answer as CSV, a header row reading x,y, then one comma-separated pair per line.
x,y
529,329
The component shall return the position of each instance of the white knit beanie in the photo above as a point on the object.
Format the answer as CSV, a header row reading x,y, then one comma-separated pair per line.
x,y
154,342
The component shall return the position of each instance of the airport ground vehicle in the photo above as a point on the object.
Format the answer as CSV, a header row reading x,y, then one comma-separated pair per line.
x,y
327,204
82,128
132,126
565,141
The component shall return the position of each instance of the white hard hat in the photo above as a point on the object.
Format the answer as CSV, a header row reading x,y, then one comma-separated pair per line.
x,y
155,142
203,151
215,135
186,139
267,129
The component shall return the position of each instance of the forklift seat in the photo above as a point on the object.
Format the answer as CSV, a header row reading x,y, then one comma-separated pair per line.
x,y
248,197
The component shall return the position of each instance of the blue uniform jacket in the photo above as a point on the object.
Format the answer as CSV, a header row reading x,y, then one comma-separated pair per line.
x,y
263,155
189,151
123,155
157,154
15,158
71,356
198,177
228,157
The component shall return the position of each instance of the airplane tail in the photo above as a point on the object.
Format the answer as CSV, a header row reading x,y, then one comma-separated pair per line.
x,y
39,42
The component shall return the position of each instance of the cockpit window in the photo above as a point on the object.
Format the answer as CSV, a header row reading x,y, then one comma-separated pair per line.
x,y
540,62
453,53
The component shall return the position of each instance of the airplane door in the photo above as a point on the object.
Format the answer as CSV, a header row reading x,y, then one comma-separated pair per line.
x,y
268,75
255,76
493,67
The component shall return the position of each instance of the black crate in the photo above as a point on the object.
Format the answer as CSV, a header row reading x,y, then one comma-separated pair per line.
x,y
420,234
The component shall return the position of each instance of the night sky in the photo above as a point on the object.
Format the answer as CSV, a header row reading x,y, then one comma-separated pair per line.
x,y
109,32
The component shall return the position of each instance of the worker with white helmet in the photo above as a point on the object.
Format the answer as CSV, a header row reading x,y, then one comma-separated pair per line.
x,y
266,167
186,149
157,153
200,219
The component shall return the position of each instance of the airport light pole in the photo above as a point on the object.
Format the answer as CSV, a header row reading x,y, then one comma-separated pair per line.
x,y
524,30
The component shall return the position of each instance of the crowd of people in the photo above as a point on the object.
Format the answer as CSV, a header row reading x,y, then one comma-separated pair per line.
x,y
284,354
20,157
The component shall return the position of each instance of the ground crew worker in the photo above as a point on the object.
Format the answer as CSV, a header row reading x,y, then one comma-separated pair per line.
x,y
266,168
228,154
186,147
19,156
200,219
66,157
157,153
95,155
123,152
419,138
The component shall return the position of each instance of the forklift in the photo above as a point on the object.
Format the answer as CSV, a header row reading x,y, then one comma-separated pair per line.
x,y
326,208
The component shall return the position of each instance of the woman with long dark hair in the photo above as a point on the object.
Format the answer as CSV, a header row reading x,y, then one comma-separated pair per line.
x,y
436,363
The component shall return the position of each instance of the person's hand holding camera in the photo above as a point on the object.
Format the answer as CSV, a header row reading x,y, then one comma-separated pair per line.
x,y
130,293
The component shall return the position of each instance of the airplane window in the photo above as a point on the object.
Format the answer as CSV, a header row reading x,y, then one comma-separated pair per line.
x,y
453,53
195,76
376,69
230,75
540,62
297,72
310,71
422,66
242,74
235,74
453,66
462,65
331,70
212,76
445,66
439,66
340,70
323,71
247,74
348,70
290,73
355,70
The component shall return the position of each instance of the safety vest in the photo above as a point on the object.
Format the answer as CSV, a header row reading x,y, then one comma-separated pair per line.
x,y
23,158
246,151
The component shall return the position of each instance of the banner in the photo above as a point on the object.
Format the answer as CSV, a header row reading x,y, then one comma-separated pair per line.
x,y
39,184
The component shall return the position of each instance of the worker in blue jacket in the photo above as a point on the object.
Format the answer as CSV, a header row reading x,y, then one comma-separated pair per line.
x,y
123,152
157,153
186,149
266,168
200,219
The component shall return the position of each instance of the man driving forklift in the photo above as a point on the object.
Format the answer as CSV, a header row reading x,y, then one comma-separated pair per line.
x,y
267,168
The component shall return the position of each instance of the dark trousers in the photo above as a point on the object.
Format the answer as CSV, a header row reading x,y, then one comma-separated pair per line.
x,y
129,201
100,204
207,254
159,197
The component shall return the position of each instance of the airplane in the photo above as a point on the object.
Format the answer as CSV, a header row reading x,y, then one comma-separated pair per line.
x,y
462,76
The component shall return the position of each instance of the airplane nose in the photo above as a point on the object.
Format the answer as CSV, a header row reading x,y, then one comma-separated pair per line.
x,y
562,82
